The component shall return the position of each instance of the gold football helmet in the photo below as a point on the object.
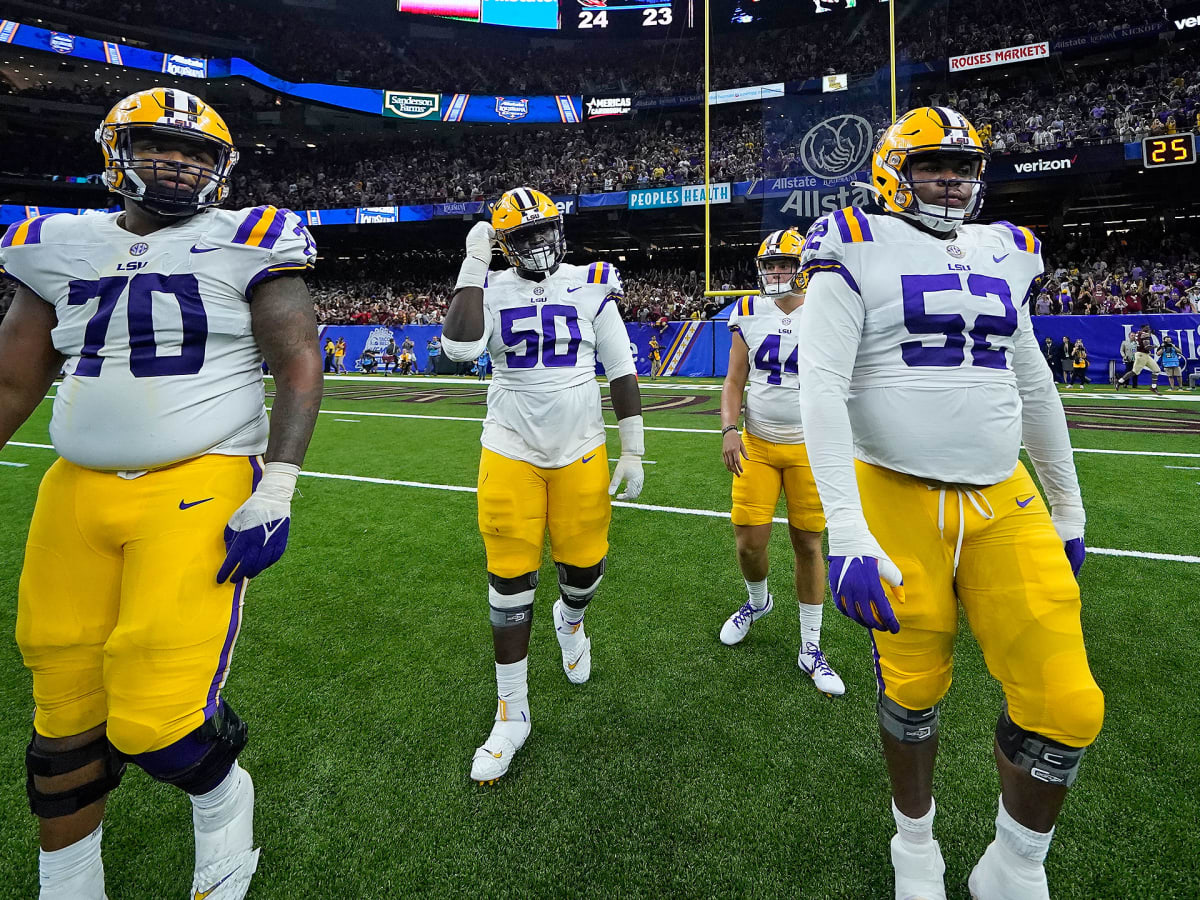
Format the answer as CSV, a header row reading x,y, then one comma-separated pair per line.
x,y
926,130
174,114
529,230
781,246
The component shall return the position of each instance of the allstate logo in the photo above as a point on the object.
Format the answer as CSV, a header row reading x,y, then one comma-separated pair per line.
x,y
512,109
838,146
138,249
62,43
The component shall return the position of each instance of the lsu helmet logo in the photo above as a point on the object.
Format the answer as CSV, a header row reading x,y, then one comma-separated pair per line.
x,y
512,108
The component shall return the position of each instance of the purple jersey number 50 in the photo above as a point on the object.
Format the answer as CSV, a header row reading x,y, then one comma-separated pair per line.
x,y
547,339
953,326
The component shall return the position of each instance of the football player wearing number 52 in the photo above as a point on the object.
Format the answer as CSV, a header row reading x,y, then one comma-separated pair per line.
x,y
920,376
160,508
545,324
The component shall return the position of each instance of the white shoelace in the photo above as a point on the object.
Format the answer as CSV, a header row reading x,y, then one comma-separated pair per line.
x,y
970,494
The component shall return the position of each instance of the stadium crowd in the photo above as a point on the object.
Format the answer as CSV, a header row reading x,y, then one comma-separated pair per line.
x,y
284,43
1022,114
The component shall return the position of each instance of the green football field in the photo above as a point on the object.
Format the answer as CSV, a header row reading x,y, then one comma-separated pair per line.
x,y
683,768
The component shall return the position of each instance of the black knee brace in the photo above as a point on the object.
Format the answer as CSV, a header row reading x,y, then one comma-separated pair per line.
x,y
908,726
43,762
1044,759
511,599
199,761
578,586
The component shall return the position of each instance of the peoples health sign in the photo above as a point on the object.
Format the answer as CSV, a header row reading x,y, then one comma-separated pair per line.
x,y
666,198
999,57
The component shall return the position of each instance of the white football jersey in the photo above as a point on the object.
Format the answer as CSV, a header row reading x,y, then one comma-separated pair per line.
x,y
772,397
932,389
544,338
161,363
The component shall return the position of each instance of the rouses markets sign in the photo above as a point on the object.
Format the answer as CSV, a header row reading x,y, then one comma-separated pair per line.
x,y
999,57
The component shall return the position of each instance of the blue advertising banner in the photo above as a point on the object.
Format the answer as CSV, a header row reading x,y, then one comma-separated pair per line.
x,y
605,200
367,100
1113,36
466,208
562,108
1102,337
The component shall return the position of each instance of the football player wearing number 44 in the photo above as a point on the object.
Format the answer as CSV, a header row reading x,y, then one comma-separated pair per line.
x,y
159,510
545,324
920,377
770,456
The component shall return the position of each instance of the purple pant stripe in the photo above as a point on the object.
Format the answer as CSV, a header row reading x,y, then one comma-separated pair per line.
x,y
875,659
235,623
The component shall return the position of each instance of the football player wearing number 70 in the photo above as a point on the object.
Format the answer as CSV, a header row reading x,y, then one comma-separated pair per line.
x,y
159,510
545,323
920,376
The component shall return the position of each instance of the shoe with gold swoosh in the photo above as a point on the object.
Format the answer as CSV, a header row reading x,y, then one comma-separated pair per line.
x,y
492,759
576,646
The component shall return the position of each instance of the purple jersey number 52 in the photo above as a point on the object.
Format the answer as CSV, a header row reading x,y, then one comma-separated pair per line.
x,y
953,326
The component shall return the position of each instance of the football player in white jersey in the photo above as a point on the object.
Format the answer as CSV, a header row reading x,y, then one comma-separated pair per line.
x,y
920,378
770,457
545,324
159,509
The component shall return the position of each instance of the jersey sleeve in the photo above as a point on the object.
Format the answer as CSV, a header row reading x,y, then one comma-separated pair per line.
x,y
26,252
1029,255
825,246
284,243
612,337
742,308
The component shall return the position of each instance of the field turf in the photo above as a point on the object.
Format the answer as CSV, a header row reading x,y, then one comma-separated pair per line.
x,y
684,768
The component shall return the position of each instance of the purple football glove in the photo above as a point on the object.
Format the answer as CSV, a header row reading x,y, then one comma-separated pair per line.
x,y
858,590
1075,554
257,533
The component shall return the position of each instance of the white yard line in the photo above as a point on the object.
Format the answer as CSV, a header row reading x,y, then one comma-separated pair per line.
x,y
355,421
646,507
14,465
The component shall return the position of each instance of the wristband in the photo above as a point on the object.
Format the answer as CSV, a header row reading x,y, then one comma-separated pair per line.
x,y
278,481
632,433
727,429
472,273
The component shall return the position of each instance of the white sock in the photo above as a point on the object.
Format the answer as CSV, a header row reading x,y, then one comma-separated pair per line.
x,y
217,808
916,833
75,870
512,689
1029,846
570,614
758,593
810,623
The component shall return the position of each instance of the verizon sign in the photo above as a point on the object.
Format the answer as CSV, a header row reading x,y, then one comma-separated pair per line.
x,y
1044,165
999,57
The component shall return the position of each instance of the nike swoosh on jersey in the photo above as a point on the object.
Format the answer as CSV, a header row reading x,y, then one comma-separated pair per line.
x,y
574,289
999,259
196,249
1024,504
183,505
200,895
587,459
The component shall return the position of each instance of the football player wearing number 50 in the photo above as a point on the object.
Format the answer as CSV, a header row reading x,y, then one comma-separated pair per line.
x,y
770,456
160,509
545,323
920,376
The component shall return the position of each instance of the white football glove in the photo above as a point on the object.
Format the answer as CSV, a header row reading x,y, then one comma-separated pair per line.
x,y
629,466
480,240
257,533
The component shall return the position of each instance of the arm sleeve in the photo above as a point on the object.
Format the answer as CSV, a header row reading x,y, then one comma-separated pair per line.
x,y
1044,425
830,330
465,351
612,338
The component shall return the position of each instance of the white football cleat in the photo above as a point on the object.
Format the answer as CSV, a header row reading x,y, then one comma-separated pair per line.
x,y
576,646
814,664
737,626
492,759
919,875
226,858
999,875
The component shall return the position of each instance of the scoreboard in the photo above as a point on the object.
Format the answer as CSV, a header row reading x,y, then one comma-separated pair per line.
x,y
628,18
